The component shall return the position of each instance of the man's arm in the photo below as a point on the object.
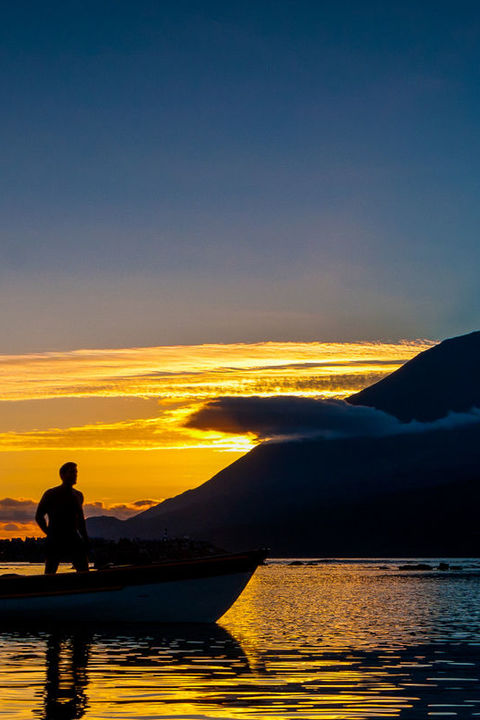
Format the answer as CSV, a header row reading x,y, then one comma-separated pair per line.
x,y
82,528
40,515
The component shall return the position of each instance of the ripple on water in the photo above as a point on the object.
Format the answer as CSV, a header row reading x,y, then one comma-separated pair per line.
x,y
328,641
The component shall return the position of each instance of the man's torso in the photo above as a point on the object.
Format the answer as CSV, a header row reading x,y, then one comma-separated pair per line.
x,y
63,505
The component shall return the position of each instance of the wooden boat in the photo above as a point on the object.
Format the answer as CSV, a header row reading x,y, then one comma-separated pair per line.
x,y
198,590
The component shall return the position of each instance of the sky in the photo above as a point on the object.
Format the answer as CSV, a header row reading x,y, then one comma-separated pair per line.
x,y
221,174
138,423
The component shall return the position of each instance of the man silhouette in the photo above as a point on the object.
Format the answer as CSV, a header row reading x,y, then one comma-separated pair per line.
x,y
66,531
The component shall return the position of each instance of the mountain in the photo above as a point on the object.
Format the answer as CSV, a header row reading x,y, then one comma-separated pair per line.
x,y
105,526
440,380
410,493
286,495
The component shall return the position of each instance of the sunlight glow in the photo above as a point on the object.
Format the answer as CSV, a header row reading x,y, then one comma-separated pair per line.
x,y
181,378
132,405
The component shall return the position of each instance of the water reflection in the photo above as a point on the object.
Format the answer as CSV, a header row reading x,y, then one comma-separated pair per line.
x,y
183,660
66,660
204,671
301,643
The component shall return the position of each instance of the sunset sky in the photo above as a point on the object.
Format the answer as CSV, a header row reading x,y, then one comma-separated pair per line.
x,y
206,199
122,414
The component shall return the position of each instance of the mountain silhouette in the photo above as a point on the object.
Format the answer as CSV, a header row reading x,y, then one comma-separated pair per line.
x,y
440,380
411,493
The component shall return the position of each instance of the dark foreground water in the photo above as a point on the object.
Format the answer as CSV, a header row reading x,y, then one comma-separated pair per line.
x,y
338,640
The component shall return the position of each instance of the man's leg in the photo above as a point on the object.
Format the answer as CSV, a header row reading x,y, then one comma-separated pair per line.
x,y
80,557
52,561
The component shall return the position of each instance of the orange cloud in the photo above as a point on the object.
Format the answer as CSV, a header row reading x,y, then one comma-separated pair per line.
x,y
181,378
124,411
17,514
142,434
199,371
17,529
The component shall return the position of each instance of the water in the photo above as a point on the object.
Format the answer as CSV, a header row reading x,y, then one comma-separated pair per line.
x,y
356,639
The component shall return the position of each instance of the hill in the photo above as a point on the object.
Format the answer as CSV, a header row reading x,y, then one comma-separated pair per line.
x,y
406,493
440,380
346,496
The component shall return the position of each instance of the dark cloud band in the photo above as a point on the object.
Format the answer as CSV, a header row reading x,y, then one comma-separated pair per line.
x,y
295,417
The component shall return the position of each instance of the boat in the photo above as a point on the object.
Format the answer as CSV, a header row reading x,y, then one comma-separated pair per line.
x,y
198,590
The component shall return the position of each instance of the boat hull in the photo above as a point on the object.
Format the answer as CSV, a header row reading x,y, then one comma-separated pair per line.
x,y
198,591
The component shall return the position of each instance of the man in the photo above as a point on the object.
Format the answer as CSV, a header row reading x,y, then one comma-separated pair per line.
x,y
66,531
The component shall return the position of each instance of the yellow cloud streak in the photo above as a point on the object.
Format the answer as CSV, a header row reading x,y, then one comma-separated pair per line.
x,y
148,434
200,371
182,377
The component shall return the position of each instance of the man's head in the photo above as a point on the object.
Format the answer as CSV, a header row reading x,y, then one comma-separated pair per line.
x,y
68,473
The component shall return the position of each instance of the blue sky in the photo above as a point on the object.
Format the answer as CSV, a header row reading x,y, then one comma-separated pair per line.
x,y
187,172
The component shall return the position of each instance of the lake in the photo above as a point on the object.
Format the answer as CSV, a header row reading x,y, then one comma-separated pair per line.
x,y
343,639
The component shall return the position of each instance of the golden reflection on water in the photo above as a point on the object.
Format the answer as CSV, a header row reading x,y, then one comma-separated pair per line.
x,y
339,642
66,659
